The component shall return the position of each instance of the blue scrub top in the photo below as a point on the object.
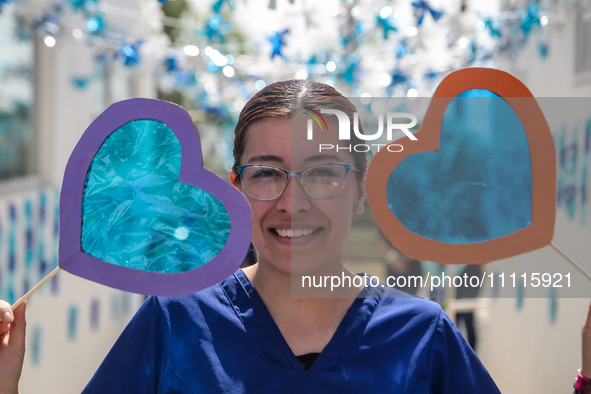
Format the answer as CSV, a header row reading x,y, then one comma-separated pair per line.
x,y
223,340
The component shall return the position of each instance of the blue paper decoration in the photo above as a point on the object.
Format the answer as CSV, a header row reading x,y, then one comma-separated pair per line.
x,y
477,187
94,313
72,322
422,7
131,54
137,214
277,41
531,19
386,24
36,344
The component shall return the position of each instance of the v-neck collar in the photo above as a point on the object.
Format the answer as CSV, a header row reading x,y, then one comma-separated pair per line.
x,y
260,325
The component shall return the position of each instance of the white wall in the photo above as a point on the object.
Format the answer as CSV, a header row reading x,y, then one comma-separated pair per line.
x,y
66,341
523,349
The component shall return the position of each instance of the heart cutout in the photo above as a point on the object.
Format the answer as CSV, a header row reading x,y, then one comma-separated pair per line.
x,y
543,174
133,220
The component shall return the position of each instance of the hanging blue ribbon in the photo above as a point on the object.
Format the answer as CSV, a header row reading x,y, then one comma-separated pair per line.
x,y
543,50
398,77
422,7
276,40
431,74
531,19
386,25
95,24
214,28
400,49
492,24
131,53
349,75
217,6
80,82
170,63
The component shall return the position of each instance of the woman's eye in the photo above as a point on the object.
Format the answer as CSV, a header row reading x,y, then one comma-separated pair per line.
x,y
322,171
265,174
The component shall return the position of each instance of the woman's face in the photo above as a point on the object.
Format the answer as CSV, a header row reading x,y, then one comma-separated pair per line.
x,y
325,222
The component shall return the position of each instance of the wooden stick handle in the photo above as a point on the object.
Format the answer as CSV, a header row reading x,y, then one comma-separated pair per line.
x,y
581,269
36,287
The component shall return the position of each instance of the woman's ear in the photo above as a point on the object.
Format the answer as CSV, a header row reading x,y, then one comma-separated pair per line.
x,y
361,192
235,180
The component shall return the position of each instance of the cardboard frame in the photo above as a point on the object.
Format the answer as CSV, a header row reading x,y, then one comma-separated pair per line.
x,y
543,172
192,172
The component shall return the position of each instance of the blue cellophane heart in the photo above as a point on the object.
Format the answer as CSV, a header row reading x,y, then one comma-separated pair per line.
x,y
136,213
477,187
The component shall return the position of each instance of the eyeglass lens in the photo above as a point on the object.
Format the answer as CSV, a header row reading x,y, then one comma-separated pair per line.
x,y
321,182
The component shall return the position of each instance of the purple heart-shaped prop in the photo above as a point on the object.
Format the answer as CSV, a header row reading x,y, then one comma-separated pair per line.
x,y
72,256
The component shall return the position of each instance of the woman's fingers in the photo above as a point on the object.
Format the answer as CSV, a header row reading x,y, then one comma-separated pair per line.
x,y
18,329
6,317
12,347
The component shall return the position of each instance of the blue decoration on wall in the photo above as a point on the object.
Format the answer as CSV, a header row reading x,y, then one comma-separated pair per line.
x,y
94,313
72,322
277,42
553,305
12,239
36,344
29,249
41,234
519,296
584,174
477,187
568,162
422,7
126,302
543,50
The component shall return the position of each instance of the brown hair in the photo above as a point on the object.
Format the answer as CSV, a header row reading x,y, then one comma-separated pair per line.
x,y
280,98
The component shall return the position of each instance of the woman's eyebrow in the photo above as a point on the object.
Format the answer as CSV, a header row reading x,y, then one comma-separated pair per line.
x,y
322,158
266,158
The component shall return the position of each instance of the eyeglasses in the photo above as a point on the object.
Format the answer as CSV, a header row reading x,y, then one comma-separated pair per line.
x,y
320,181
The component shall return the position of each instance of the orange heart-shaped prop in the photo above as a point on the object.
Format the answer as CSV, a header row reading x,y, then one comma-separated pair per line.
x,y
543,174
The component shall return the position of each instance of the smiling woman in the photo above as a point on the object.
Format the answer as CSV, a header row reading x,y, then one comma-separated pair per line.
x,y
249,334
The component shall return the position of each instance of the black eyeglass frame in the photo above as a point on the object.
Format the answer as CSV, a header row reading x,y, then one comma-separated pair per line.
x,y
288,175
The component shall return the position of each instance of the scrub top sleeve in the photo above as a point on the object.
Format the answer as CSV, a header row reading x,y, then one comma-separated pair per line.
x,y
134,363
455,368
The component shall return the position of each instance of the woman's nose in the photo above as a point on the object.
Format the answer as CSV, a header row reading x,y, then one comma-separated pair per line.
x,y
294,198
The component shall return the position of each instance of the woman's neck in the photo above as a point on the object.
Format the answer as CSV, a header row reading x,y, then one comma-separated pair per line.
x,y
307,324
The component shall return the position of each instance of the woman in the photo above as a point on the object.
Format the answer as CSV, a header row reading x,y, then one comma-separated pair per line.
x,y
248,334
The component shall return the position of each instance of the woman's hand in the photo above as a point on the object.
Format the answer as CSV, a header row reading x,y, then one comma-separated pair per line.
x,y
12,346
586,370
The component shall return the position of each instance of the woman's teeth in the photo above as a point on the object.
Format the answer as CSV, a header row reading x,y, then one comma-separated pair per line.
x,y
293,233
